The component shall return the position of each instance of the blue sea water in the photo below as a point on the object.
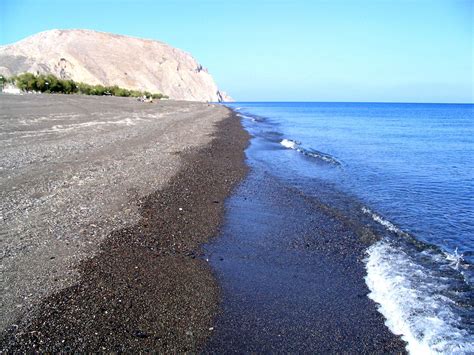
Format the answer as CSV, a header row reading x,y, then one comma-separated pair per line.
x,y
407,169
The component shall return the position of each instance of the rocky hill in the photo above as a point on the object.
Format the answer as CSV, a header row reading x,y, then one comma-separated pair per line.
x,y
108,59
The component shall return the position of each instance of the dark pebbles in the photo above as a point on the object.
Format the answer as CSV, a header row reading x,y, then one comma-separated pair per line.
x,y
147,289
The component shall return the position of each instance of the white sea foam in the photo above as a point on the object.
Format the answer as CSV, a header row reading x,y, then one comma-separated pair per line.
x,y
246,117
291,144
287,143
322,157
379,219
410,298
456,260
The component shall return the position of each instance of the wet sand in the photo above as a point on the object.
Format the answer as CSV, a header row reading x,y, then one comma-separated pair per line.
x,y
292,277
162,177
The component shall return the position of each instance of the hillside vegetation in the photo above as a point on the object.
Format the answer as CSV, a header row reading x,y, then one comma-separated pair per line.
x,y
51,84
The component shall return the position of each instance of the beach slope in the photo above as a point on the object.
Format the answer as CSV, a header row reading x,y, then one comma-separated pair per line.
x,y
105,202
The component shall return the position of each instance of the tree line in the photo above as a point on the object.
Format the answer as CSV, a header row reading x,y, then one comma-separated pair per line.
x,y
49,83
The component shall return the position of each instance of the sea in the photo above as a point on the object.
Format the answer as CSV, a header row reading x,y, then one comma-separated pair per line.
x,y
407,171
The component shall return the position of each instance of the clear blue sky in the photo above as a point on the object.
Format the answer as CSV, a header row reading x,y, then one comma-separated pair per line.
x,y
282,50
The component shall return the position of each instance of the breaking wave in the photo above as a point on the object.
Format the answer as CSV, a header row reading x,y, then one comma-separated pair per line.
x,y
415,299
295,145
379,219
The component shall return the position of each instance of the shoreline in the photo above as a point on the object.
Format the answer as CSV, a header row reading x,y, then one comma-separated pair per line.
x,y
293,274
159,285
148,287
292,277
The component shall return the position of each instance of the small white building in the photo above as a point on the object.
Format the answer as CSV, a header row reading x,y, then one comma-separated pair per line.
x,y
11,89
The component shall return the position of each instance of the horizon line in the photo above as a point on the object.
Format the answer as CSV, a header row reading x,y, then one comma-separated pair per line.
x,y
352,102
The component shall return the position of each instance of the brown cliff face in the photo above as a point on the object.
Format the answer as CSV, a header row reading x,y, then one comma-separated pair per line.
x,y
108,59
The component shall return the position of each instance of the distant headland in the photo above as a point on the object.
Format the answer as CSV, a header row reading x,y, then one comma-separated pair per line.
x,y
106,59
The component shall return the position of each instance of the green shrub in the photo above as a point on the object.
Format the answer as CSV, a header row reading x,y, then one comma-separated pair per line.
x,y
83,88
159,96
51,84
135,93
25,81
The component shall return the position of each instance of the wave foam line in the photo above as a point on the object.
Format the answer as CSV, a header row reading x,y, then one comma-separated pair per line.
x,y
246,117
455,259
411,300
379,219
291,144
287,143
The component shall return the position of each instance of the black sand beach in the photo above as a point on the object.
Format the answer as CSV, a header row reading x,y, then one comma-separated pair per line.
x,y
147,289
284,274
74,169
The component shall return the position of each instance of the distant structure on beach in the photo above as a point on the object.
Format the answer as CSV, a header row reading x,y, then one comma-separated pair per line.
x,y
10,89
99,58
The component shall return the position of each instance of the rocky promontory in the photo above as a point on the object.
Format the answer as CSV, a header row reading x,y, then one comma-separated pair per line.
x,y
99,58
